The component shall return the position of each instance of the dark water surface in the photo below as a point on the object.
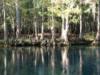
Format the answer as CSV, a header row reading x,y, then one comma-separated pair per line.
x,y
73,60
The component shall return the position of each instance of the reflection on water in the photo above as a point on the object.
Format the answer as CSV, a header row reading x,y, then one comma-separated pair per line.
x,y
98,61
65,60
81,61
5,62
50,61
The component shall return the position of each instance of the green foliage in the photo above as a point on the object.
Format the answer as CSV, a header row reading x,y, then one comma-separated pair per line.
x,y
33,10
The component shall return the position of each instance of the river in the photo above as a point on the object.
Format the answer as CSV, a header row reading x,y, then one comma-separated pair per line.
x,y
73,60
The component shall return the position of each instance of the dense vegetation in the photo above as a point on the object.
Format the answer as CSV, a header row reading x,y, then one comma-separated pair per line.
x,y
56,20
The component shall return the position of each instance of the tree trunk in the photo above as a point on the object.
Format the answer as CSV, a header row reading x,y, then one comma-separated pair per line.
x,y
35,21
53,34
62,29
98,27
94,10
42,27
5,27
80,33
97,39
63,21
17,19
66,30
36,33
65,27
13,27
52,27
42,31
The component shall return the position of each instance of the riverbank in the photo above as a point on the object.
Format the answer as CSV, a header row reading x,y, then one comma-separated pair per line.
x,y
73,40
46,42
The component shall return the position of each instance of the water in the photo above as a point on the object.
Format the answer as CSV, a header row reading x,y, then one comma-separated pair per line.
x,y
50,61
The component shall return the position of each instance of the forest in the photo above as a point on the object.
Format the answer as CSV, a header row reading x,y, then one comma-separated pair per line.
x,y
49,22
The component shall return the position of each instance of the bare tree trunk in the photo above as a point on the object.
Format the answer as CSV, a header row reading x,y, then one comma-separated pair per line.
x,y
5,27
80,33
17,19
36,33
35,21
42,27
98,27
13,27
94,10
63,21
93,5
62,29
52,27
65,28
42,31
97,39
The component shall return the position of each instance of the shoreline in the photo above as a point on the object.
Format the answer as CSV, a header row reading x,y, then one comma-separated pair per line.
x,y
47,43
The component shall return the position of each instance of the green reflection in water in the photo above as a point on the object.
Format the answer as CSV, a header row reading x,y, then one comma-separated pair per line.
x,y
50,61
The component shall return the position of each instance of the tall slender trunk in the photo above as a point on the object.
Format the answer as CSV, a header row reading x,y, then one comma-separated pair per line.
x,y
80,33
13,27
63,22
52,27
93,14
94,10
62,29
66,29
98,26
17,19
65,26
42,26
36,32
5,27
35,20
42,31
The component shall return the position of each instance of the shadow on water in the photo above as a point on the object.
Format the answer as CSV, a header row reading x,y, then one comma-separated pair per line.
x,y
73,60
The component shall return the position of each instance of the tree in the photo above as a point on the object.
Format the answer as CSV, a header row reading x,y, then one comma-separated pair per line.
x,y
67,10
4,17
17,19
52,27
80,34
42,25
97,40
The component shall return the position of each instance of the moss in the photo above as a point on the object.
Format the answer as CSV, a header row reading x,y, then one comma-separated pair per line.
x,y
89,36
